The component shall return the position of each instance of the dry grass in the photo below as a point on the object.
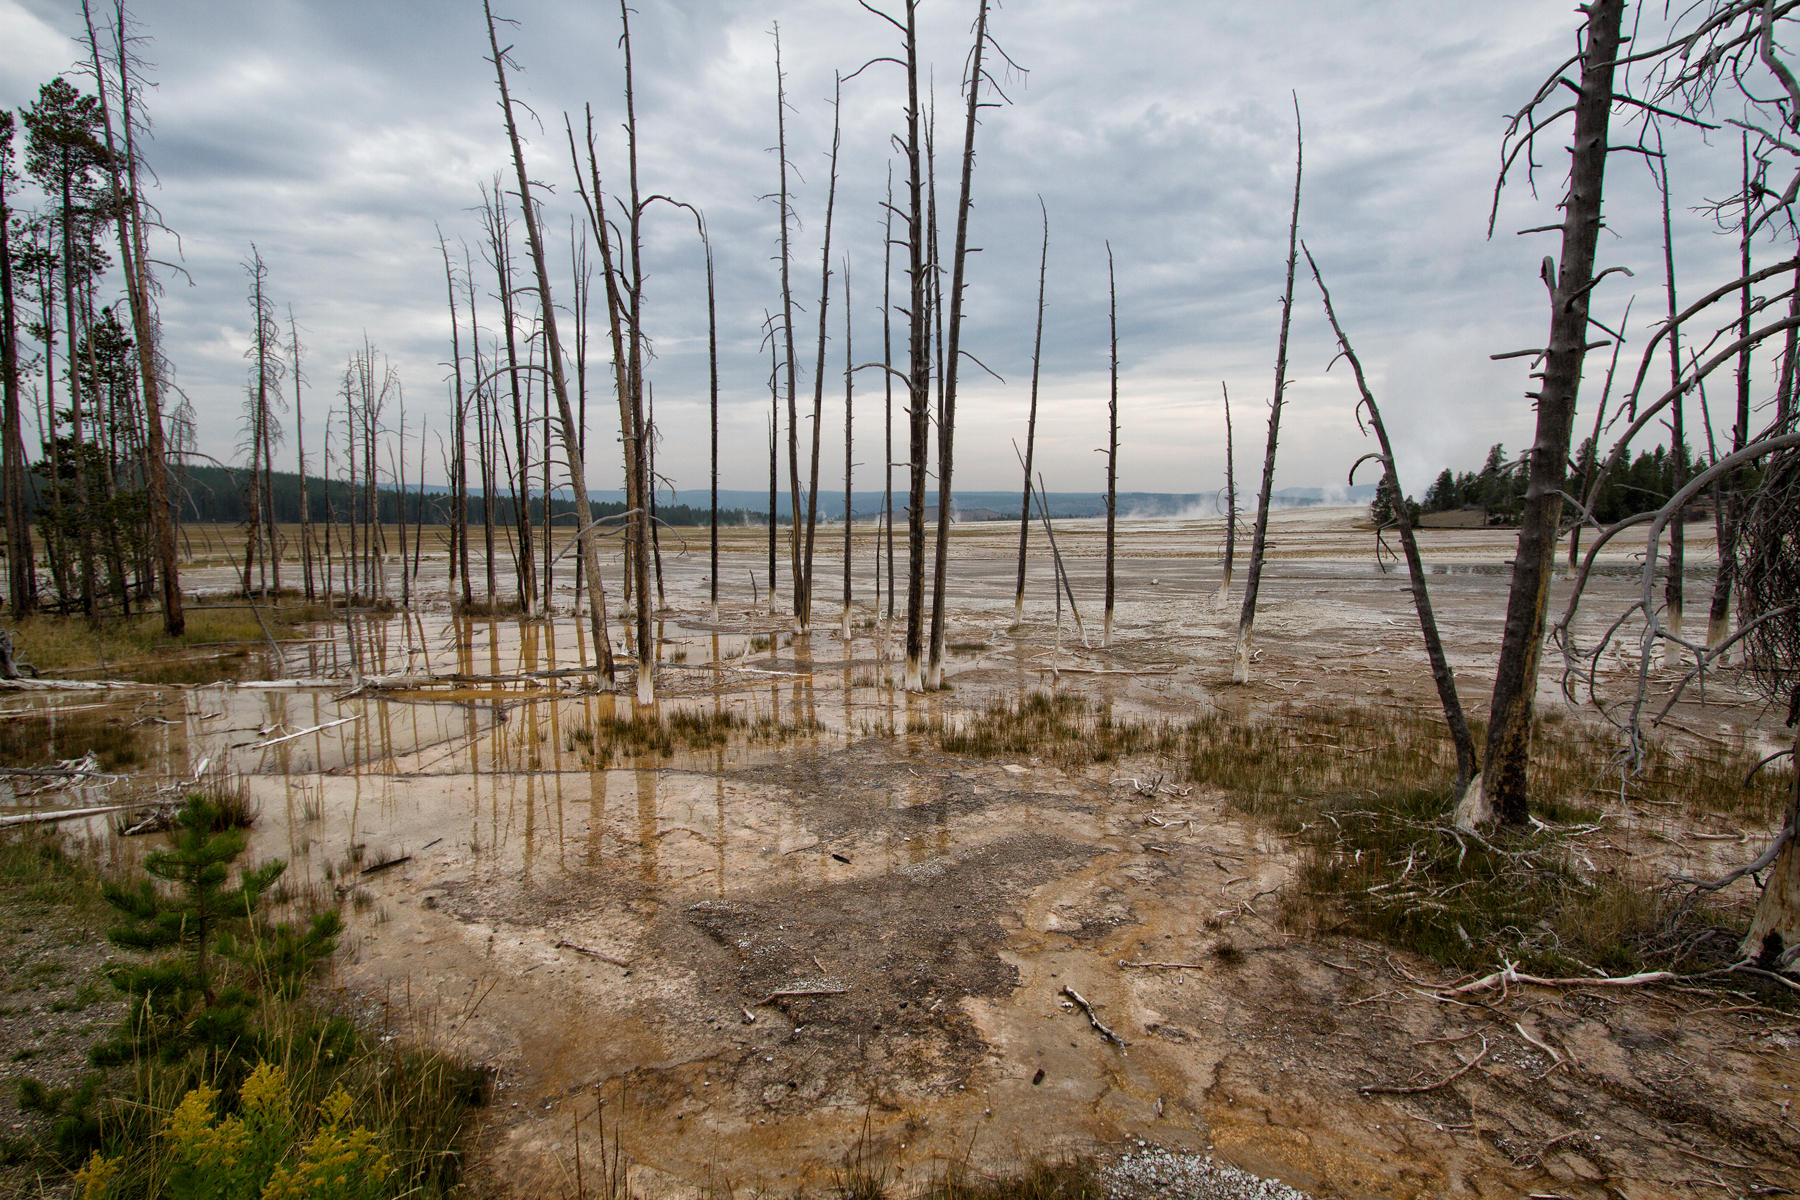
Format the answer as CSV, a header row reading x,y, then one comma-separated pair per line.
x,y
1366,793
137,648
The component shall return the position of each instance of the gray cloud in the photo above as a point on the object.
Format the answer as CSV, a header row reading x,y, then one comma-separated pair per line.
x,y
337,136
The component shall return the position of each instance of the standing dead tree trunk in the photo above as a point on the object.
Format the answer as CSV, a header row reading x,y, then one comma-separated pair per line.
x,y
1571,282
1467,765
1730,495
953,348
849,461
587,539
1240,670
140,285
1037,350
306,535
918,374
1230,503
459,483
887,380
795,567
21,568
1112,444
803,592
1678,452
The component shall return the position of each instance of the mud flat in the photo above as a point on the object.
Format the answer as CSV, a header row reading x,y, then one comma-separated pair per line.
x,y
803,936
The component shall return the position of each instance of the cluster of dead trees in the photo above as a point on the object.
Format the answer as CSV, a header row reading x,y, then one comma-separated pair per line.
x,y
1620,96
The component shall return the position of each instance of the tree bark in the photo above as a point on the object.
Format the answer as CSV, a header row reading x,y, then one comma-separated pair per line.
x,y
1112,444
1037,349
1507,780
849,443
571,435
1467,765
1230,503
20,555
1240,670
795,566
952,360
804,593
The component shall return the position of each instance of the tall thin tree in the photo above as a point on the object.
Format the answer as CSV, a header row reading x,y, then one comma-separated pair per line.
x,y
1240,671
1037,349
953,348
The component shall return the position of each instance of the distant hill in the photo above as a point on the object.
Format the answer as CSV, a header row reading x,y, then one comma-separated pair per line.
x,y
217,494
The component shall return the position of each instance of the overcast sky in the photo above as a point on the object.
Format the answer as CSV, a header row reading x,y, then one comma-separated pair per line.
x,y
336,136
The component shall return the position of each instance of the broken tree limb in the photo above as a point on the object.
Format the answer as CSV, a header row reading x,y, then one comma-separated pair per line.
x,y
1511,975
1384,1089
288,737
61,814
589,951
801,993
1093,1018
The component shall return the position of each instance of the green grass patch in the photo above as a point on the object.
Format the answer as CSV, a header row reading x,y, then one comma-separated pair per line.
x,y
680,729
1060,727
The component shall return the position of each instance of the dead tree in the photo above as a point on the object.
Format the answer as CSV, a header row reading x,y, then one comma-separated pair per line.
x,y
1571,282
952,361
459,482
1672,590
1037,349
1729,501
918,373
134,260
1467,765
803,591
20,553
796,568
586,538
1240,671
887,379
1112,443
1230,503
849,443
306,534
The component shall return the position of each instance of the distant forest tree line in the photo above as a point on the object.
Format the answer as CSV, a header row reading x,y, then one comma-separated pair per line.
x,y
1498,488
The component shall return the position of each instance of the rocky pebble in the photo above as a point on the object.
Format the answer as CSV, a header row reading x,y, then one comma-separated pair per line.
x,y
1153,1171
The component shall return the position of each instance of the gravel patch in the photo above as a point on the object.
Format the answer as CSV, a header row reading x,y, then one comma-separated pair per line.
x,y
1152,1171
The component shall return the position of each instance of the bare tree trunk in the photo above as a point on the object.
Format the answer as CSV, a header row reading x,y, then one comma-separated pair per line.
x,y
134,262
1112,444
638,435
571,435
1467,766
953,354
524,567
1730,507
802,597
803,611
887,380
1230,502
459,483
849,367
1037,348
1775,926
1240,670
306,535
20,555
1672,590
712,363
918,366
1515,675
